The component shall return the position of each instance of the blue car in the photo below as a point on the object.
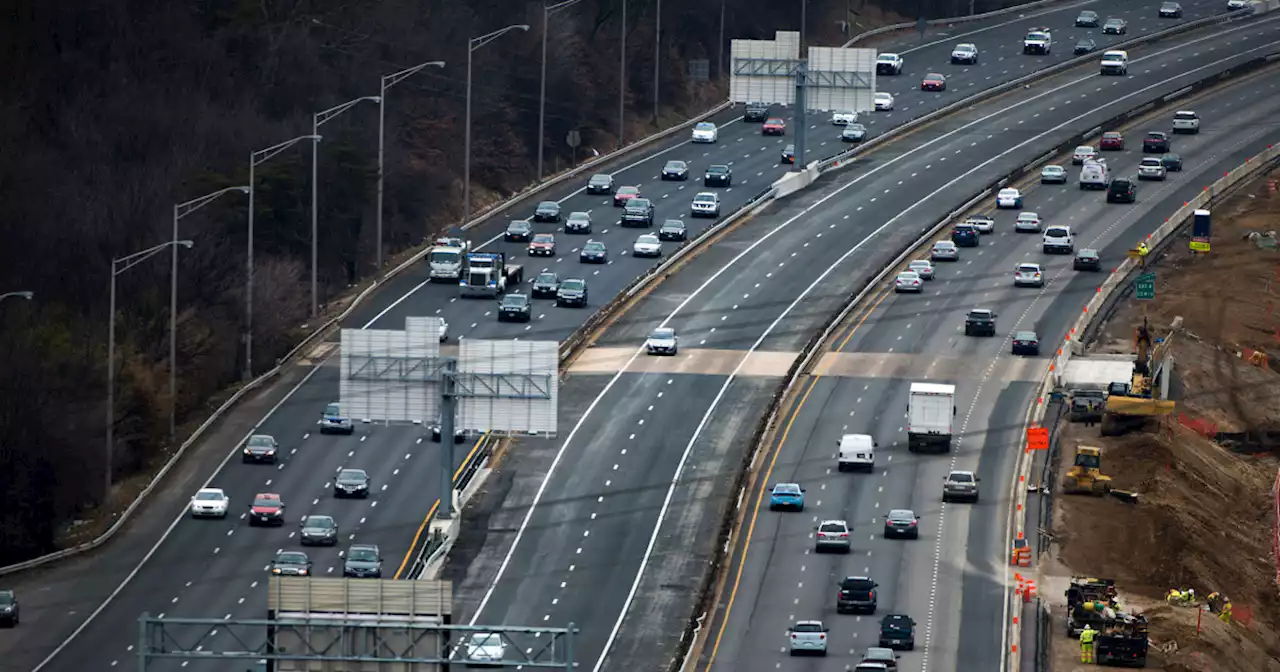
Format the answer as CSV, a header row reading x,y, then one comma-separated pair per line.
x,y
786,496
332,421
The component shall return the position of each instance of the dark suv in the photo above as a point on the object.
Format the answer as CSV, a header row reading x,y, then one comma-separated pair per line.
x,y
964,235
8,609
980,322
637,212
1122,190
756,112
898,631
857,595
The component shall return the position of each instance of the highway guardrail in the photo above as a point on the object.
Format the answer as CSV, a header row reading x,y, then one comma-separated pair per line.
x,y
933,23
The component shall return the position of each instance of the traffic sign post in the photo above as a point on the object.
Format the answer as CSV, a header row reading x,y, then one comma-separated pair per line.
x,y
1145,287
574,140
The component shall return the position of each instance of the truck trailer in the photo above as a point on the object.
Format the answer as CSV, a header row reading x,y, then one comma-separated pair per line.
x,y
487,274
931,415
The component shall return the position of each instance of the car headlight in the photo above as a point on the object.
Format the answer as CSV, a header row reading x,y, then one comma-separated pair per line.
x,y
247,451
275,570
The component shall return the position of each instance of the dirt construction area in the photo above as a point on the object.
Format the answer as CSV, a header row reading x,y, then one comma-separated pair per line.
x,y
1205,515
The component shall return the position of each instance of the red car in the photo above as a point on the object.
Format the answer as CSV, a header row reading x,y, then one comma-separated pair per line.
x,y
1111,140
267,509
934,82
774,126
624,194
543,244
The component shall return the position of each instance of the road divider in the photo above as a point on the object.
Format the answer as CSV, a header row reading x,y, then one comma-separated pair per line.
x,y
1116,285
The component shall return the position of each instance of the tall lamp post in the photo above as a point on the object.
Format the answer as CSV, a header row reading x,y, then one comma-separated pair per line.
x,y
657,58
18,295
547,11
317,120
476,43
256,159
622,80
179,211
389,81
118,266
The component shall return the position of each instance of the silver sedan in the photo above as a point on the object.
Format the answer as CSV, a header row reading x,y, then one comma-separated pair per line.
x,y
944,250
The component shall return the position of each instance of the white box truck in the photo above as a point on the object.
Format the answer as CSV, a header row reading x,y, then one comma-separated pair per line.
x,y
931,416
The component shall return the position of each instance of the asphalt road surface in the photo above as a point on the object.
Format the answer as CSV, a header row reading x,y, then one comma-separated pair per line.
x,y
951,580
763,288
215,569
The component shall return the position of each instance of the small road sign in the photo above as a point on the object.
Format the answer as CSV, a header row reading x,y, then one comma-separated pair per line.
x,y
1145,287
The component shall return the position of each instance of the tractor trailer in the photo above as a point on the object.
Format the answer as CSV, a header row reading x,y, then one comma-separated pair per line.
x,y
487,274
931,415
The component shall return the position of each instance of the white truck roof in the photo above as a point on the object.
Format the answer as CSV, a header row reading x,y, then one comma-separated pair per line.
x,y
932,388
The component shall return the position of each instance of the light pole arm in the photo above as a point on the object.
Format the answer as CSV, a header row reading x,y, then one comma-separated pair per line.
x,y
23,295
123,264
477,42
183,209
552,9
266,154
394,78
326,115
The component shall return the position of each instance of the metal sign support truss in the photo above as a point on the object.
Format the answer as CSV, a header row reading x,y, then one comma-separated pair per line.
x,y
420,369
787,67
346,640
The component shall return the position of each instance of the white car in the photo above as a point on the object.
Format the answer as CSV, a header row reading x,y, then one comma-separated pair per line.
x,y
1009,198
843,117
908,281
1151,168
485,647
965,53
662,341
1186,121
210,503
883,101
705,204
922,268
705,131
1083,153
889,64
982,223
647,245
1027,222
1237,4
444,330
1028,275
1058,239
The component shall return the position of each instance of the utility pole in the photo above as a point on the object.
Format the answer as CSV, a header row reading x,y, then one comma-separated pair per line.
x,y
802,77
657,59
622,80
720,48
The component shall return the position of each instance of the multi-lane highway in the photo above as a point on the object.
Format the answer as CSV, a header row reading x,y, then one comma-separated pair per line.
x,y
215,569
609,533
951,580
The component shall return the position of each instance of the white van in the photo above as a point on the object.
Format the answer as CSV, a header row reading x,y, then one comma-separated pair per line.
x,y
857,451
1093,175
1115,62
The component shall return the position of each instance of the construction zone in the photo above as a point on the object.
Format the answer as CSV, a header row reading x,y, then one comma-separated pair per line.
x,y
1159,545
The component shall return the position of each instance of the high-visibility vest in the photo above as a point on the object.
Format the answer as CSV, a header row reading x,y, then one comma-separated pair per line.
x,y
1086,636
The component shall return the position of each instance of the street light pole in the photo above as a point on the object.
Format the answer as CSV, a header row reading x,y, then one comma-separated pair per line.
x,y
720,48
389,81
18,295
547,11
622,80
256,159
476,43
318,119
118,266
179,211
657,58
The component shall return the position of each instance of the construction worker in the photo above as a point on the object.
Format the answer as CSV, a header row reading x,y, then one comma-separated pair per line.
x,y
1212,601
1086,644
1225,615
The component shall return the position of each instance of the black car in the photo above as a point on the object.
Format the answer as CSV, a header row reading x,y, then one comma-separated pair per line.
x,y
363,561
291,563
637,212
351,483
545,285
1170,10
675,170
459,434
898,631
319,531
756,112
594,252
789,154
1172,163
853,133
9,616
964,235
857,595
547,211
1087,260
1026,343
260,448
1085,46
980,322
1115,27
600,183
673,229
518,231
514,307
902,523
718,175
1122,190
572,292
1156,142
578,222
1087,19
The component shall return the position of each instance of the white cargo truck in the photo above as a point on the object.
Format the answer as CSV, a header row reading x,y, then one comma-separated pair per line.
x,y
446,257
931,416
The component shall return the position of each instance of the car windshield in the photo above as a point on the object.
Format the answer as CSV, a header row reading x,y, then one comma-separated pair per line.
x,y
944,245
1056,232
934,76
574,284
961,478
896,623
1087,254
1024,336
908,275
887,57
791,148
333,409
808,627
351,475
1009,192
965,47
1027,268
544,238
787,489
1088,14
291,558
774,122
1028,216
576,216
647,239
593,247
851,583
362,555
208,495
444,256
1054,169
663,334
265,501
322,522
638,203
883,95
261,441
599,179
6,597
705,198
516,300
628,190
902,514
673,224
980,314
545,278
518,226
832,527
718,169
705,126
675,165
548,205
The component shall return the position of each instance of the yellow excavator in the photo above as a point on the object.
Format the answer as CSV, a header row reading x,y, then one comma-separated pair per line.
x,y
1130,404
1085,477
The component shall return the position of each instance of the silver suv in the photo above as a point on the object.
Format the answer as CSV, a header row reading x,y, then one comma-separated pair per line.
x,y
808,637
832,535
960,485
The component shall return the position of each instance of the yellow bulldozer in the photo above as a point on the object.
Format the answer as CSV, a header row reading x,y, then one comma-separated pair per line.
x,y
1131,403
1085,477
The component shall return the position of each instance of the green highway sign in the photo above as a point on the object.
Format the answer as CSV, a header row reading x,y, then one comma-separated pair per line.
x,y
1146,287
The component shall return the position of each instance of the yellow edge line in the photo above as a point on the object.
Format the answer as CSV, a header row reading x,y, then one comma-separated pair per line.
x,y
746,544
435,505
